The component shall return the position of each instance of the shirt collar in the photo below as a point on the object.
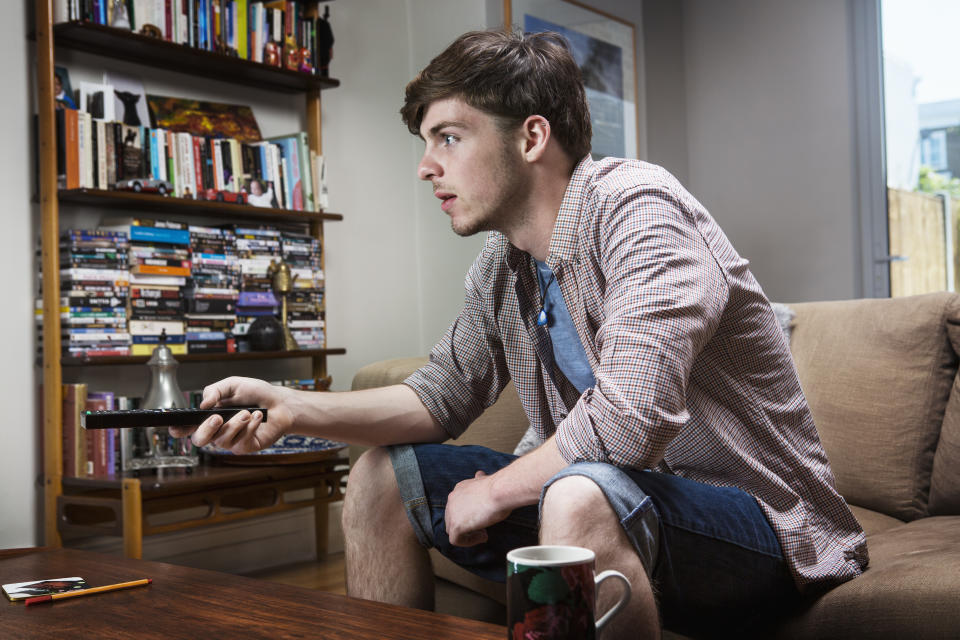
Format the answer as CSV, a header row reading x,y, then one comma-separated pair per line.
x,y
563,240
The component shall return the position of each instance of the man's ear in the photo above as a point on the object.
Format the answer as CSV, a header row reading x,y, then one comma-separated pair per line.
x,y
536,135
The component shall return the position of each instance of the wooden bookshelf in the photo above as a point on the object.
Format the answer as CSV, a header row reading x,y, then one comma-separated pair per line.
x,y
132,47
130,200
153,52
204,357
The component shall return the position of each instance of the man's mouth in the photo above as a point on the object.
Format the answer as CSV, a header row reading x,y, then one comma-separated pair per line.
x,y
446,198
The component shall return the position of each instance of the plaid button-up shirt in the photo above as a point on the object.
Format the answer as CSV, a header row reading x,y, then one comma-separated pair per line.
x,y
693,374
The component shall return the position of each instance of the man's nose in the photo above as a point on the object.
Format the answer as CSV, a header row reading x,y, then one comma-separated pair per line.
x,y
428,169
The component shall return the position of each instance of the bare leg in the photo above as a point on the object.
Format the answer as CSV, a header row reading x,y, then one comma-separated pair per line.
x,y
575,512
385,561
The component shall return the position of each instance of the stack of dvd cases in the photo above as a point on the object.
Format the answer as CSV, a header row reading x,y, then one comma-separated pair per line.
x,y
304,305
211,295
94,284
256,249
159,269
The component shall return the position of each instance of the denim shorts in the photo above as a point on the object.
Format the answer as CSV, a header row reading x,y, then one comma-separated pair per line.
x,y
714,563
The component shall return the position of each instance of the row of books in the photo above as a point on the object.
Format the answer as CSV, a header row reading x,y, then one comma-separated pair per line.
x,y
134,282
238,27
278,172
99,452
94,452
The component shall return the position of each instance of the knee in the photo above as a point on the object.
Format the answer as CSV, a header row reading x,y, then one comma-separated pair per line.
x,y
373,465
571,502
371,488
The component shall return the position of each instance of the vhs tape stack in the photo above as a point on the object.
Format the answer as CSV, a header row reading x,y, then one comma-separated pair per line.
x,y
159,268
212,292
256,249
304,305
94,285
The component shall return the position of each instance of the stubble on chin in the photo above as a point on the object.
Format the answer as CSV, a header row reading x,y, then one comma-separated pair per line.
x,y
465,230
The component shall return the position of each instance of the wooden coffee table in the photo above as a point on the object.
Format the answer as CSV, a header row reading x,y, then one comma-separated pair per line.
x,y
195,603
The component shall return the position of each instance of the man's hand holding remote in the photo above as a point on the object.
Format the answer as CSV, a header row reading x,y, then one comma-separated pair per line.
x,y
244,432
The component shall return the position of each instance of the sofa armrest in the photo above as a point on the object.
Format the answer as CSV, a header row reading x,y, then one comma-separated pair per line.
x,y
500,427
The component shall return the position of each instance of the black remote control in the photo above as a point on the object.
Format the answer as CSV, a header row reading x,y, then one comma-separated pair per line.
x,y
158,417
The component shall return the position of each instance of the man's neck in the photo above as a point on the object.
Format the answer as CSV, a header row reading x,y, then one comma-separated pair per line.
x,y
543,207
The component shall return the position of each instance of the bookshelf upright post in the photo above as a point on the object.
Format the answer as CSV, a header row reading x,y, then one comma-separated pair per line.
x,y
50,232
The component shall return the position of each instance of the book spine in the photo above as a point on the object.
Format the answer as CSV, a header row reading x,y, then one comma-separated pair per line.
x,y
102,155
296,175
155,327
168,20
111,154
74,444
118,150
82,150
306,171
72,149
154,157
197,165
242,30
275,169
175,236
159,270
147,349
287,178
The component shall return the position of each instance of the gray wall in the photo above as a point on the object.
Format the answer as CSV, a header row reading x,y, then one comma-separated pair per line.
x,y
19,443
749,102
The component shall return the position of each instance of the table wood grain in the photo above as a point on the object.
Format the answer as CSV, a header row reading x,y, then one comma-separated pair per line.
x,y
193,603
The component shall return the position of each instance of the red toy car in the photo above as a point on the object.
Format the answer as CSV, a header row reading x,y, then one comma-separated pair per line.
x,y
226,196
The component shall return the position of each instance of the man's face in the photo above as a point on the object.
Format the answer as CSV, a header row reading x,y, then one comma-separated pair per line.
x,y
255,188
476,170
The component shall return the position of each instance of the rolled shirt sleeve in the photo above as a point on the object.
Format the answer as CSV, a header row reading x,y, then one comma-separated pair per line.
x,y
467,368
665,294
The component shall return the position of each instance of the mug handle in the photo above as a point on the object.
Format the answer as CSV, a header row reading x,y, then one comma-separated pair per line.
x,y
610,573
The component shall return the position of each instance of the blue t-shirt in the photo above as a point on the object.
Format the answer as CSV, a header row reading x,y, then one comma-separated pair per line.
x,y
568,353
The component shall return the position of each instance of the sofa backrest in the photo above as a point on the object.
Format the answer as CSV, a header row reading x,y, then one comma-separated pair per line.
x,y
880,376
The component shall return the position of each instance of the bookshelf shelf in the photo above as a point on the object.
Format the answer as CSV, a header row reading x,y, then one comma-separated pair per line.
x,y
153,52
170,205
204,357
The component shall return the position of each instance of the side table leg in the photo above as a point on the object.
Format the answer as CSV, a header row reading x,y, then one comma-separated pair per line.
x,y
132,519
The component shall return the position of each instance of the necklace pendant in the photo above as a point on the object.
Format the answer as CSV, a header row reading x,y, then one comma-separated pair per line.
x,y
542,318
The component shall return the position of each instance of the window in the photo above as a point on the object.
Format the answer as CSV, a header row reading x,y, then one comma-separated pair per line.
x,y
921,118
934,150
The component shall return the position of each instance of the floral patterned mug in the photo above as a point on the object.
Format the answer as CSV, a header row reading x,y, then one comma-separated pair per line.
x,y
552,593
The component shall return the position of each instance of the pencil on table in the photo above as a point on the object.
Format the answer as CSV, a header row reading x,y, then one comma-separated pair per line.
x,y
86,592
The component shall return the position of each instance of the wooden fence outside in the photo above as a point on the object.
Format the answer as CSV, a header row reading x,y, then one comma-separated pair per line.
x,y
917,232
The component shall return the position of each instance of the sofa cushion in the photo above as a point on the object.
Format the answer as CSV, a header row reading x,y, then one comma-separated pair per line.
x,y
945,482
449,570
877,374
908,591
873,522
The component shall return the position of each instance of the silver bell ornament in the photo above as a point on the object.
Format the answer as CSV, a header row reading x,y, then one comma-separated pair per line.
x,y
155,448
163,392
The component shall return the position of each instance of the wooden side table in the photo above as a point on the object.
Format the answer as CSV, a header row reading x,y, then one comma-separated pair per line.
x,y
176,499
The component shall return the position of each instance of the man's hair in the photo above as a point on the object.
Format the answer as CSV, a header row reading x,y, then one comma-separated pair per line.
x,y
510,76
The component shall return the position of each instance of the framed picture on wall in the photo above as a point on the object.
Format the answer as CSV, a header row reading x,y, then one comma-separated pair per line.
x,y
604,47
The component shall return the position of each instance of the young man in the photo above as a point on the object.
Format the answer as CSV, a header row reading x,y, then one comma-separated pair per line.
x,y
678,444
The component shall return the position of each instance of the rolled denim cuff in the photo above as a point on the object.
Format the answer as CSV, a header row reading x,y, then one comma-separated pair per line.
x,y
407,470
635,509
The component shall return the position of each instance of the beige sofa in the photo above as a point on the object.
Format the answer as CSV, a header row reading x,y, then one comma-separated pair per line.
x,y
881,379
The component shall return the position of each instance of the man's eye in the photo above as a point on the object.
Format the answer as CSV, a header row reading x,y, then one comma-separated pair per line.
x,y
449,139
